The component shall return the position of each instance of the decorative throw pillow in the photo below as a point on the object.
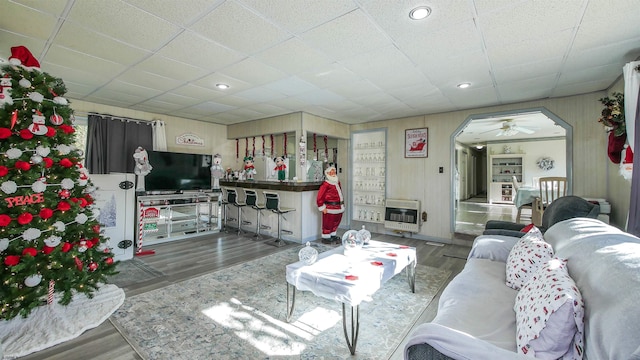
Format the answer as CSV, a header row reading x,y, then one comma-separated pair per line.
x,y
549,314
526,256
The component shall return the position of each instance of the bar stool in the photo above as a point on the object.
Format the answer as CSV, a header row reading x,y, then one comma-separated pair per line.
x,y
233,199
273,204
224,202
251,198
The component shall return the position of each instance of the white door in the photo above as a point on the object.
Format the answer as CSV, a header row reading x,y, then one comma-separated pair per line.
x,y
115,197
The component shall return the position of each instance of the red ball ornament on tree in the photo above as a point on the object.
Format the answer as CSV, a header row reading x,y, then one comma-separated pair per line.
x,y
79,264
93,266
23,165
83,202
4,170
51,132
26,134
5,133
47,249
48,162
108,261
29,251
5,220
96,228
12,260
66,163
67,129
24,218
46,213
64,206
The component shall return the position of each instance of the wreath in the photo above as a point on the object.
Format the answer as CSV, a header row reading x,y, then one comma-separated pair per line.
x,y
545,163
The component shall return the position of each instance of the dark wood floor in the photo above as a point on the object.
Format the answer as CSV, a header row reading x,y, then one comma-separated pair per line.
x,y
180,260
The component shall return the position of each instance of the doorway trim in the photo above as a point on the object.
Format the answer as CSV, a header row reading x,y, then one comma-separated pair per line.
x,y
569,149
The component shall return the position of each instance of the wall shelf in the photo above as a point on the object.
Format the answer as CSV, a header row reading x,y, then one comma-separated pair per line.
x,y
369,186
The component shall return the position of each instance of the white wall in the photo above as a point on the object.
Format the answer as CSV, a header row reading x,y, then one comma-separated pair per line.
x,y
533,151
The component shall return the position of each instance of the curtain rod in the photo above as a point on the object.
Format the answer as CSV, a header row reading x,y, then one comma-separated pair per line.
x,y
113,117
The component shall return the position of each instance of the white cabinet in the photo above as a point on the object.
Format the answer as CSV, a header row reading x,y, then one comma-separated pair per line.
x,y
502,169
369,164
163,218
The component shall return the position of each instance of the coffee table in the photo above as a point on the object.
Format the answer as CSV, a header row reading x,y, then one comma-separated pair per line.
x,y
350,279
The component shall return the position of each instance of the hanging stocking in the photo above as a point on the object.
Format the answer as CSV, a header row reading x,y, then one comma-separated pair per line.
x,y
615,146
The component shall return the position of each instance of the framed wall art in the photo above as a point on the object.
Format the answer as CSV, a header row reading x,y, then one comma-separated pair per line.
x,y
416,143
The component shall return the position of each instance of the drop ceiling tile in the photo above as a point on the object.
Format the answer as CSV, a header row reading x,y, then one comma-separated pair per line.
x,y
291,86
301,15
260,94
293,56
583,75
82,62
591,35
175,11
211,80
88,80
355,88
97,45
245,114
208,107
15,16
193,49
253,71
472,97
157,82
170,68
522,21
447,73
528,50
155,105
580,88
196,92
346,36
224,118
289,103
9,39
533,88
123,22
179,101
54,8
319,97
267,109
239,28
527,70
105,95
330,75
125,88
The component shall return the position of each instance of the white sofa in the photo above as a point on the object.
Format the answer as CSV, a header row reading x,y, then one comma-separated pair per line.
x,y
476,317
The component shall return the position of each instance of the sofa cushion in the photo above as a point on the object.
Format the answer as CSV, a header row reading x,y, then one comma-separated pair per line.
x,y
549,314
605,264
492,247
528,254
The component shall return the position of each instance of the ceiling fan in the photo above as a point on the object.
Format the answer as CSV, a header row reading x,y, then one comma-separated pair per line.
x,y
510,128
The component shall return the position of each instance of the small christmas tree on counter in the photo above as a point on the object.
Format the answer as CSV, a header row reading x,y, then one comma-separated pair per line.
x,y
50,240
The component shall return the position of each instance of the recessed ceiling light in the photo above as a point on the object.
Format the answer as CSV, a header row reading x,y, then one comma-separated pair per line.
x,y
222,86
464,85
420,12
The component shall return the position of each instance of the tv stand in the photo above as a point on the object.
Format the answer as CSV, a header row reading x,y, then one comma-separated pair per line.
x,y
176,216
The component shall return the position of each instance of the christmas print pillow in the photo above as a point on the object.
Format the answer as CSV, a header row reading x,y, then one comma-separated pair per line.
x,y
549,314
526,256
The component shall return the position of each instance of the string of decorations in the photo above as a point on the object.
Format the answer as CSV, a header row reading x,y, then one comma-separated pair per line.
x,y
326,149
237,149
263,145
253,152
315,145
272,148
246,146
285,145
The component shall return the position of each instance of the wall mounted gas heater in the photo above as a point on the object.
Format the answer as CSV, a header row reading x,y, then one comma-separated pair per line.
x,y
403,215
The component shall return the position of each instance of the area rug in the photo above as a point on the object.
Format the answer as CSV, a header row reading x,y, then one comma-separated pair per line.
x,y
49,325
239,313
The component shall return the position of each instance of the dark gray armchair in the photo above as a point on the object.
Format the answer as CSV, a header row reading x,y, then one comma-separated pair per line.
x,y
563,208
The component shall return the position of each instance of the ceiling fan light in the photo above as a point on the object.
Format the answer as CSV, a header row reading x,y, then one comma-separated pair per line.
x,y
420,13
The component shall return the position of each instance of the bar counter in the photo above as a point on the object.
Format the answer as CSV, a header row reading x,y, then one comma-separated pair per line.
x,y
304,223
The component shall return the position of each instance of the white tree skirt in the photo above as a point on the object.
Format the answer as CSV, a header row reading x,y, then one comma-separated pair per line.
x,y
53,324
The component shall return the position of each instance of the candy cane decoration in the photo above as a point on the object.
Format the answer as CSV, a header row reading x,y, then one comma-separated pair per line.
x,y
50,294
285,144
273,153
237,148
326,149
263,146
140,228
246,146
253,152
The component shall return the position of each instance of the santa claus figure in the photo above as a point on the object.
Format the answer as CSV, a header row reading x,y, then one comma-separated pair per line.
x,y
331,203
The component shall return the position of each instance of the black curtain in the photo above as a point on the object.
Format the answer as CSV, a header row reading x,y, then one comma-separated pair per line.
x,y
111,143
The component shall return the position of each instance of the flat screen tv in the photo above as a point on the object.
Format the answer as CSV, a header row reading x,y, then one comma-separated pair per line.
x,y
178,171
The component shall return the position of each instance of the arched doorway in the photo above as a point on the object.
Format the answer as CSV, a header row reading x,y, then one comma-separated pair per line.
x,y
525,126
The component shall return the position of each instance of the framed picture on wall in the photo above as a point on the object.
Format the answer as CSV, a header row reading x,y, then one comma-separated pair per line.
x,y
416,143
